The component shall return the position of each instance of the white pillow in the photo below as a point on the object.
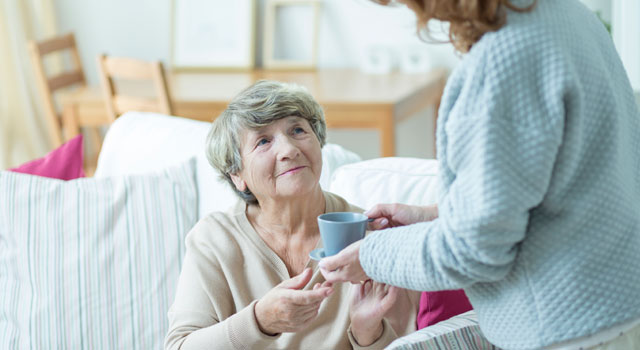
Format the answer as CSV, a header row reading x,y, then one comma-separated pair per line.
x,y
387,180
460,332
140,142
92,263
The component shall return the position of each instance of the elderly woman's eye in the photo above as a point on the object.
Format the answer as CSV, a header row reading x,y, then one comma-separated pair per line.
x,y
262,141
298,130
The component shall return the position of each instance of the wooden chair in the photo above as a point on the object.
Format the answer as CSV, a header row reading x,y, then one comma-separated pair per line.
x,y
49,85
60,129
132,69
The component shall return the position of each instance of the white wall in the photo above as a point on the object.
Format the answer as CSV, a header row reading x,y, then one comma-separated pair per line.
x,y
142,28
602,6
626,34
624,15
139,28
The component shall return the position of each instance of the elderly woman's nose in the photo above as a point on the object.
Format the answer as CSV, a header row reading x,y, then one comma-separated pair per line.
x,y
287,148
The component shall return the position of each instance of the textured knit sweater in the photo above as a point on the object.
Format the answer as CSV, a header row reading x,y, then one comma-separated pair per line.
x,y
539,150
228,267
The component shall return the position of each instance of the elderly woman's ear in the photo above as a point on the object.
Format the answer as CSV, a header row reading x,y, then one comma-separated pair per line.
x,y
240,184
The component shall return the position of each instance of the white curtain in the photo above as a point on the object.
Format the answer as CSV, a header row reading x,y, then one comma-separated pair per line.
x,y
23,133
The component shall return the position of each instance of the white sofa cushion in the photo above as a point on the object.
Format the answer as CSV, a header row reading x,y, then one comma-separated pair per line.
x,y
387,180
141,142
92,263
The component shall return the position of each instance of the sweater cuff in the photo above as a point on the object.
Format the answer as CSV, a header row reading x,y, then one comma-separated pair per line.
x,y
243,330
388,335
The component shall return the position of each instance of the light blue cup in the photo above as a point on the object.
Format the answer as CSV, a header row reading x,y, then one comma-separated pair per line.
x,y
340,229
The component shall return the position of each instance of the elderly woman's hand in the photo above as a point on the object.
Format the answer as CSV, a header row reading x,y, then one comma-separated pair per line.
x,y
370,301
286,308
394,215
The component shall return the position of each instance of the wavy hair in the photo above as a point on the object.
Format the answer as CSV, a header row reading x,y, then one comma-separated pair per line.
x,y
469,19
258,105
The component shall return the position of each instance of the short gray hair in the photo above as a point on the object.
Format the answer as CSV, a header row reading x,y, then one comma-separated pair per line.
x,y
256,106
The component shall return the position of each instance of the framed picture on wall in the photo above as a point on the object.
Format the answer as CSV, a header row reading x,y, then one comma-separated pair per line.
x,y
291,30
212,34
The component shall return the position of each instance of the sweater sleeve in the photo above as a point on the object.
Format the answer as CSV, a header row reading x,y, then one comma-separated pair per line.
x,y
239,331
193,320
388,335
502,137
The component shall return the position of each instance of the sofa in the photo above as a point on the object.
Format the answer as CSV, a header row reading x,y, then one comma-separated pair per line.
x,y
93,263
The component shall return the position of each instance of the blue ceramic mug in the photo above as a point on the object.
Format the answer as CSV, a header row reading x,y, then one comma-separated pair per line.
x,y
340,229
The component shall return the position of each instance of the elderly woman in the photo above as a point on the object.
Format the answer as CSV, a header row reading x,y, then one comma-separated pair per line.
x,y
247,280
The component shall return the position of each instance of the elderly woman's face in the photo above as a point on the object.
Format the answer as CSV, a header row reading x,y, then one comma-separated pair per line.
x,y
280,160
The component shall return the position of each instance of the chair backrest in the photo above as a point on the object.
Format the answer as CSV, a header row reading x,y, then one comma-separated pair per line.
x,y
132,69
48,85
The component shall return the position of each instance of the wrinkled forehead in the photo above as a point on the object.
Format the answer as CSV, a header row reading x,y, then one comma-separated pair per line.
x,y
249,128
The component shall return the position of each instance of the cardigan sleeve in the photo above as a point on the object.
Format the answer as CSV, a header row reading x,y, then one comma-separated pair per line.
x,y
388,335
502,138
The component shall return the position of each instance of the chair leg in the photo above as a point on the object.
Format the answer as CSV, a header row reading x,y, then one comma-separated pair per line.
x,y
70,122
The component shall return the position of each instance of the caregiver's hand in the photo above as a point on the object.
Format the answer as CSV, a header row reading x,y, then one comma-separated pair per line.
x,y
370,301
344,266
286,308
394,215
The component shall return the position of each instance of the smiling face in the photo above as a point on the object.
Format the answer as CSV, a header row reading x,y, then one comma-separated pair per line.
x,y
279,161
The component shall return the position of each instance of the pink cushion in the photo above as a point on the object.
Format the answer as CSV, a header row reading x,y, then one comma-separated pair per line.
x,y
440,306
64,162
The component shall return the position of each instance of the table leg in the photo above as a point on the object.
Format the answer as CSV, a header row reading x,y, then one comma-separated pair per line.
x,y
387,135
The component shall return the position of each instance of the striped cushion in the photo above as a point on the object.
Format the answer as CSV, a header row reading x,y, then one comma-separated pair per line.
x,y
91,263
457,333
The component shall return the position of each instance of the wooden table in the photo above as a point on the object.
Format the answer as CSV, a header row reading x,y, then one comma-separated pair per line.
x,y
351,99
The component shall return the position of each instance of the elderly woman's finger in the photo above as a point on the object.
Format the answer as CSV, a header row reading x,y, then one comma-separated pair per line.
x,y
368,286
327,284
390,298
340,275
306,297
299,281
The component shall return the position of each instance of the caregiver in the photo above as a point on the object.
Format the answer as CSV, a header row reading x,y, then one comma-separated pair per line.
x,y
539,150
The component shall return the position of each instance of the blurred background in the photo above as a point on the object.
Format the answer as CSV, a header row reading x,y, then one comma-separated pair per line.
x,y
350,34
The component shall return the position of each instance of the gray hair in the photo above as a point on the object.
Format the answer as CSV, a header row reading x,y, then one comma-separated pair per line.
x,y
258,105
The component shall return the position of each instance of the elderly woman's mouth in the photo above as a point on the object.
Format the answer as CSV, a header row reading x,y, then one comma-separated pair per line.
x,y
292,170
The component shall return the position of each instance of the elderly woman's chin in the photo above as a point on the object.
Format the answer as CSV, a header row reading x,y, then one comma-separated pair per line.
x,y
299,182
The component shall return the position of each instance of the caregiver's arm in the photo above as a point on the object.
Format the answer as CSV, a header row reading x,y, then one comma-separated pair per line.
x,y
500,152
